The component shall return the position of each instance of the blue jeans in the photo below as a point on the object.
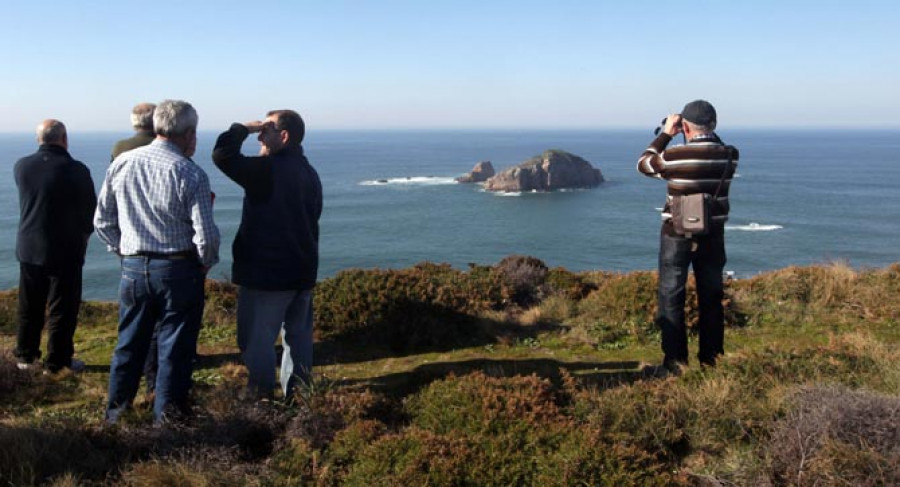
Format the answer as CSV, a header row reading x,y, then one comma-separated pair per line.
x,y
708,261
262,315
162,293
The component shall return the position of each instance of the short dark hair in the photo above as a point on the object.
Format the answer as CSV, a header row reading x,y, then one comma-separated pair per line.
x,y
292,122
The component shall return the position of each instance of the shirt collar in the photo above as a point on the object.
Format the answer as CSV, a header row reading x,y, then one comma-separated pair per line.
x,y
710,137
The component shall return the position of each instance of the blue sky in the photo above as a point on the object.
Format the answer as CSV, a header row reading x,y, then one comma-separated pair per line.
x,y
452,64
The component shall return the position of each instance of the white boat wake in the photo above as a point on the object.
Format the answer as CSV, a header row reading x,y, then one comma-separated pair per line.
x,y
754,227
411,181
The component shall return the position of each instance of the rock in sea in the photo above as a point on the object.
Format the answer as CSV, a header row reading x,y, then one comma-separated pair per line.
x,y
480,173
552,170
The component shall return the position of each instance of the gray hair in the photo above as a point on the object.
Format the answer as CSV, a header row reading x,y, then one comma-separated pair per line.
x,y
142,116
174,117
702,129
51,132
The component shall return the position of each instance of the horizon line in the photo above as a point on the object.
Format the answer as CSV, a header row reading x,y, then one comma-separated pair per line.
x,y
522,129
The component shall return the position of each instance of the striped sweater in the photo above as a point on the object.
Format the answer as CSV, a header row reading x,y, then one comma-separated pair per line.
x,y
692,168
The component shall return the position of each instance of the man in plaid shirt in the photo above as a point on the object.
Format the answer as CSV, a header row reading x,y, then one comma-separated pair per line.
x,y
155,212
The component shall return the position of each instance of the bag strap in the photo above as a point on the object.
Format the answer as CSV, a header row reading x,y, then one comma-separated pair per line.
x,y
725,172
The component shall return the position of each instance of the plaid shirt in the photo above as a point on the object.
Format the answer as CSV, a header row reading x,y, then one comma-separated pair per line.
x,y
154,199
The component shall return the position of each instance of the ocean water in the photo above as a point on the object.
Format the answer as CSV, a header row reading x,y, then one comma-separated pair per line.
x,y
801,197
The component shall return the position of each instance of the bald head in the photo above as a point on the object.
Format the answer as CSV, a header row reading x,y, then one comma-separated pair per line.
x,y
142,116
52,132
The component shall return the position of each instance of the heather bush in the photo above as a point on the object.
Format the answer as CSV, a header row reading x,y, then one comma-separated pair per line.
x,y
549,455
414,457
33,454
11,378
192,467
555,309
836,436
319,418
480,430
572,286
586,456
8,306
622,306
477,403
524,277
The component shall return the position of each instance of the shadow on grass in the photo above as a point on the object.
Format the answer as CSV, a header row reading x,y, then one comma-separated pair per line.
x,y
596,374
417,328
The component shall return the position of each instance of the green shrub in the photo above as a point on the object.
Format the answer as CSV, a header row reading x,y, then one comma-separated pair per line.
x,y
480,430
568,284
425,306
477,403
621,306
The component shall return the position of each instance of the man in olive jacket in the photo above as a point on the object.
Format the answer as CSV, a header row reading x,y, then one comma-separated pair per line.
x,y
276,249
56,200
142,121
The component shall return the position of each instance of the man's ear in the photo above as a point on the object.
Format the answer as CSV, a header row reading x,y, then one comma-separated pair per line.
x,y
285,137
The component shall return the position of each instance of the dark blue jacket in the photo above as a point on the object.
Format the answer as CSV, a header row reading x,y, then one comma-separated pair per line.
x,y
56,202
277,245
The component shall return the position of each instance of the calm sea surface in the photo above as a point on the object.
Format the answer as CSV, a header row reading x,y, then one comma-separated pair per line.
x,y
801,197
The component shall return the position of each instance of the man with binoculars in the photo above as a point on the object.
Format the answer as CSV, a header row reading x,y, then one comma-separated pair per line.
x,y
703,165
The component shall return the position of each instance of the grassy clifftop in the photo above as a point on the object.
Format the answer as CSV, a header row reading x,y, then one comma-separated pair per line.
x,y
512,374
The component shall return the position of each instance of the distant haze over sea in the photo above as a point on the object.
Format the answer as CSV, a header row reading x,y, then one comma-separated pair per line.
x,y
801,197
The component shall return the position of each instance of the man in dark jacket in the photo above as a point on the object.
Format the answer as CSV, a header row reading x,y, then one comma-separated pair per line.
x,y
276,249
56,200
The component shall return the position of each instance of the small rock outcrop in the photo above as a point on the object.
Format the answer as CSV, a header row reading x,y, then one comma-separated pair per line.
x,y
480,173
552,170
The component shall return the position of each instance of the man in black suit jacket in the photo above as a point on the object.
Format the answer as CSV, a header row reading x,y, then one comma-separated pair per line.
x,y
56,200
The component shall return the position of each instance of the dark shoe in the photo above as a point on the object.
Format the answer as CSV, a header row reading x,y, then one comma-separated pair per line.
x,y
707,362
674,366
662,371
75,365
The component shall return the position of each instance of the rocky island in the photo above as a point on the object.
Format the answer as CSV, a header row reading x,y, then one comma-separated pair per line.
x,y
552,170
479,174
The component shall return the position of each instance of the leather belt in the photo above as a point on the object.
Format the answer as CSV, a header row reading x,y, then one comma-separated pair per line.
x,y
186,254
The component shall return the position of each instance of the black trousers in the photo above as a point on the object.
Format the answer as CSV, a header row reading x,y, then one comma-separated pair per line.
x,y
708,261
54,292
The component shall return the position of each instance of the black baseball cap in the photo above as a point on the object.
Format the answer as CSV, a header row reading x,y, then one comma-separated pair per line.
x,y
699,112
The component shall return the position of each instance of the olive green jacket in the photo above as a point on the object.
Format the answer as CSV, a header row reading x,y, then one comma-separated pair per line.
x,y
141,138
